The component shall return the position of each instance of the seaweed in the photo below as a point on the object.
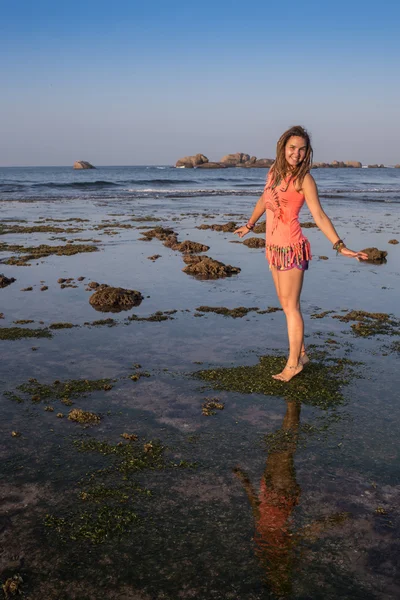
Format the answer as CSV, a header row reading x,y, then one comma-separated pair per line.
x,y
18,333
319,385
235,313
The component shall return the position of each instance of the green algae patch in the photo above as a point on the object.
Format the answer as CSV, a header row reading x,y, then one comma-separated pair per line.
x,y
319,384
4,229
102,322
19,333
155,317
95,526
106,506
62,326
84,417
235,313
210,406
369,324
270,309
42,251
322,314
60,390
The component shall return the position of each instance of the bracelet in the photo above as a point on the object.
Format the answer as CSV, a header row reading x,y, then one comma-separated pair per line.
x,y
250,226
338,246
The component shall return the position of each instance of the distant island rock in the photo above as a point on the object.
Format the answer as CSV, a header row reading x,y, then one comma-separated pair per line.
x,y
239,159
83,164
189,162
338,164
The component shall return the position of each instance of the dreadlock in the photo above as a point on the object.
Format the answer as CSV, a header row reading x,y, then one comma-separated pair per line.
x,y
280,168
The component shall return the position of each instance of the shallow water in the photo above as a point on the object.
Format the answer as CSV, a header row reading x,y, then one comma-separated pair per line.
x,y
315,514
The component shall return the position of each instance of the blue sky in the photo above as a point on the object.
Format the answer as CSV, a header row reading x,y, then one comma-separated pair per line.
x,y
146,83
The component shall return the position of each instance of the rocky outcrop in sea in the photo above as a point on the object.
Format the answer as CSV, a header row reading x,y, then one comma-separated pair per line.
x,y
239,159
83,164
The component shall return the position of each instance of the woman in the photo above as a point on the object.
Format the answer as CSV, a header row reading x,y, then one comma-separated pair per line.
x,y
289,183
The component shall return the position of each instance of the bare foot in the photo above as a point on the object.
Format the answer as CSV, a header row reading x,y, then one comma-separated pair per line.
x,y
289,372
304,358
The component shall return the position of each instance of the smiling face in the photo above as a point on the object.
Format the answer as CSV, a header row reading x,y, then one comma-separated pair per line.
x,y
295,151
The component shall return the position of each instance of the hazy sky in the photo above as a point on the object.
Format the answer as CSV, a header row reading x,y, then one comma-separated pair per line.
x,y
128,82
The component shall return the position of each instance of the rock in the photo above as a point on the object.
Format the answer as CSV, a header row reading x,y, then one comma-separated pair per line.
x,y
308,224
226,227
188,247
192,161
397,166
337,164
212,165
260,227
205,267
83,164
353,163
259,163
375,256
111,299
5,281
232,160
376,166
320,165
161,233
393,242
254,242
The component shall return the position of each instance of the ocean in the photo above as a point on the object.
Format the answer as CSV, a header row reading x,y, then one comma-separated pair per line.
x,y
195,474
164,183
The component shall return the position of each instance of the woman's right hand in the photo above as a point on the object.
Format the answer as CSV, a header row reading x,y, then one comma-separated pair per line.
x,y
242,231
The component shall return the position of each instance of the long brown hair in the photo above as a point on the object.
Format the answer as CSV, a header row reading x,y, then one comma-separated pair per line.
x,y
280,168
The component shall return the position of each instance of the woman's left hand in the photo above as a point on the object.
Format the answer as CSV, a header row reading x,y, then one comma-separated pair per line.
x,y
351,254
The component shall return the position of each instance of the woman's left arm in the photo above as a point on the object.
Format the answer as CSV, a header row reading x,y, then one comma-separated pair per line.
x,y
322,220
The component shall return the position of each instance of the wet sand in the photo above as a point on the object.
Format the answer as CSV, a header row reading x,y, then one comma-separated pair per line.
x,y
288,493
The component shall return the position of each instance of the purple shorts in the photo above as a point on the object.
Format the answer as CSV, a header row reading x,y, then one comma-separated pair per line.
x,y
303,266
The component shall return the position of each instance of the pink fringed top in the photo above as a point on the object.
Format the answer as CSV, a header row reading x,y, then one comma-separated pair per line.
x,y
285,243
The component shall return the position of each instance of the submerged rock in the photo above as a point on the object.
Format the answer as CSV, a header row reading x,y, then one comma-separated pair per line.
x,y
375,256
112,299
227,227
205,267
254,242
5,281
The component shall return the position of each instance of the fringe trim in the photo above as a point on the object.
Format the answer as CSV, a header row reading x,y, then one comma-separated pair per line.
x,y
285,256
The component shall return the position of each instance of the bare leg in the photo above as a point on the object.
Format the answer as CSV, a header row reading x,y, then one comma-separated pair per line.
x,y
289,284
303,354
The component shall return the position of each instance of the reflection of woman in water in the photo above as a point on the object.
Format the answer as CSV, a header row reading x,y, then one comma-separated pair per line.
x,y
273,506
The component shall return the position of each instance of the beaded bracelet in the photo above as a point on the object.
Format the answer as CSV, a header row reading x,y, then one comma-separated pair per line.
x,y
338,246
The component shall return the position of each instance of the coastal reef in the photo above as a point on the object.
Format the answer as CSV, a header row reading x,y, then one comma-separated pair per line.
x,y
254,242
5,281
112,299
375,256
205,267
42,251
170,239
